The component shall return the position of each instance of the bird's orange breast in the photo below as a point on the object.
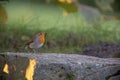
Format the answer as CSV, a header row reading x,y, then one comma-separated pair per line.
x,y
42,38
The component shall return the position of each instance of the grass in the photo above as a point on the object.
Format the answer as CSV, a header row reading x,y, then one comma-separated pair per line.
x,y
67,34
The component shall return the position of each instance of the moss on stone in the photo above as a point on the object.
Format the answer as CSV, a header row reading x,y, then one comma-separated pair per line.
x,y
69,77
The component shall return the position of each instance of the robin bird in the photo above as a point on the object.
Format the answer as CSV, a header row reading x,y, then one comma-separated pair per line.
x,y
36,42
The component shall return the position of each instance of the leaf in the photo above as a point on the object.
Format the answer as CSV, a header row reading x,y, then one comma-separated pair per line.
x,y
66,5
3,15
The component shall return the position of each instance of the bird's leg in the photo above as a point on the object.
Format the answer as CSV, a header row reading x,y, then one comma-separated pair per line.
x,y
39,51
34,50
27,49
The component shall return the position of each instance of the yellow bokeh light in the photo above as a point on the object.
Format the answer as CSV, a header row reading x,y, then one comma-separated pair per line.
x,y
30,69
6,70
69,1
62,1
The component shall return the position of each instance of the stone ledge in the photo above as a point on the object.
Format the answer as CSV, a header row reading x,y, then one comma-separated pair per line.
x,y
23,66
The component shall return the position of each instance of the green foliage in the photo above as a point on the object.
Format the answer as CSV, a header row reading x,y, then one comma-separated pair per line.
x,y
69,7
68,34
13,37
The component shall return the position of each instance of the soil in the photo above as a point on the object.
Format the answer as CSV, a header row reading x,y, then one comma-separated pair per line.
x,y
103,50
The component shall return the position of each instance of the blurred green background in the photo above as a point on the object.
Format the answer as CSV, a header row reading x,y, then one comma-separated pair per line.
x,y
69,25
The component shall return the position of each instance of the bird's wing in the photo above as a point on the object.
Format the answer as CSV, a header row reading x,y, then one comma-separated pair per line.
x,y
31,41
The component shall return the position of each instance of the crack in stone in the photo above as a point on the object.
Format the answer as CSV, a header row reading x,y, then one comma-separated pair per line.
x,y
115,74
95,72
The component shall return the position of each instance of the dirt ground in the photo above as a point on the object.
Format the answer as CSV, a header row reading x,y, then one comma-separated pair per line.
x,y
103,50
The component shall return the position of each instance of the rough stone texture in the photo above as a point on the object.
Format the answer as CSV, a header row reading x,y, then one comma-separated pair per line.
x,y
64,66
